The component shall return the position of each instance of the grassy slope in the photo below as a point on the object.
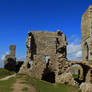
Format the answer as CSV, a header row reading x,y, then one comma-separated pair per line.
x,y
39,85
4,73
6,86
42,86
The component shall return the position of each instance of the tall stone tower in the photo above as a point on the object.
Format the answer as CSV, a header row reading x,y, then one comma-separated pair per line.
x,y
10,59
86,30
43,44
12,50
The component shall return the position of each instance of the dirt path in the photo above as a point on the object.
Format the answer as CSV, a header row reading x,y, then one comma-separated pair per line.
x,y
6,78
19,86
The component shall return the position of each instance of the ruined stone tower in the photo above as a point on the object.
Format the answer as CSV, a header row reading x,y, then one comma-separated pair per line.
x,y
40,45
12,50
46,44
86,30
10,59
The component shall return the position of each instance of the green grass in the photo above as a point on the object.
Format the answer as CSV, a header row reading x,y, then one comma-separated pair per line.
x,y
39,85
6,86
42,86
4,73
75,75
25,89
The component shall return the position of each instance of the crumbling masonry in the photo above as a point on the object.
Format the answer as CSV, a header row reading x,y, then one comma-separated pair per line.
x,y
10,59
46,54
41,44
86,30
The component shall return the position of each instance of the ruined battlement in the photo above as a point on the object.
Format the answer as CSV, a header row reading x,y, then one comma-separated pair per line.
x,y
45,43
86,30
12,50
10,59
86,24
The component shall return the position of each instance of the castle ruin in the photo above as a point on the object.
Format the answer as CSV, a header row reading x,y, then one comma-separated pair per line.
x,y
10,59
86,30
41,44
46,54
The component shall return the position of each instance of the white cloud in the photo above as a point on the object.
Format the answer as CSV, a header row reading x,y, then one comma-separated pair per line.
x,y
1,63
20,58
74,50
3,56
79,54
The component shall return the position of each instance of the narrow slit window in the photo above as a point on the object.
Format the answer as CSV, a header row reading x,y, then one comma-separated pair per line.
x,y
47,58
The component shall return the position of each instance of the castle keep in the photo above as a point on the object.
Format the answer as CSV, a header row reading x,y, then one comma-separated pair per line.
x,y
86,30
41,44
44,44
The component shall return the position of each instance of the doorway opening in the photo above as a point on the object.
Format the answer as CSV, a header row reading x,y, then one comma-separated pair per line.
x,y
48,75
29,64
47,59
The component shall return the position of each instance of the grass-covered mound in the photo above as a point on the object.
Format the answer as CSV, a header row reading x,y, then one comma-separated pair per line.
x,y
6,86
38,85
42,86
4,73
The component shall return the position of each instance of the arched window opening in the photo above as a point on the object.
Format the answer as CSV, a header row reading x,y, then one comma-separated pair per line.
x,y
86,48
29,64
47,58
48,75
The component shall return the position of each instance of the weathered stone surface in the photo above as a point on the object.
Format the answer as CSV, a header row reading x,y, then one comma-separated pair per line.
x,y
67,78
10,60
86,87
42,44
12,50
86,30
75,69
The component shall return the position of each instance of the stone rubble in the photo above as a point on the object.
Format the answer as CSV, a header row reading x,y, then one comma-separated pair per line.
x,y
86,87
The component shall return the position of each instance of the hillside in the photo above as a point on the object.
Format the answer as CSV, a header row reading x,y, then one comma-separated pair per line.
x,y
4,73
24,83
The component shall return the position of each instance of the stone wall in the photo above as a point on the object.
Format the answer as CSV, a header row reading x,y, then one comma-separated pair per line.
x,y
12,50
86,30
10,60
42,44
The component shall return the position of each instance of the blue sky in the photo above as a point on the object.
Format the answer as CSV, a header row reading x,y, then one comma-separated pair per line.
x,y
17,17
